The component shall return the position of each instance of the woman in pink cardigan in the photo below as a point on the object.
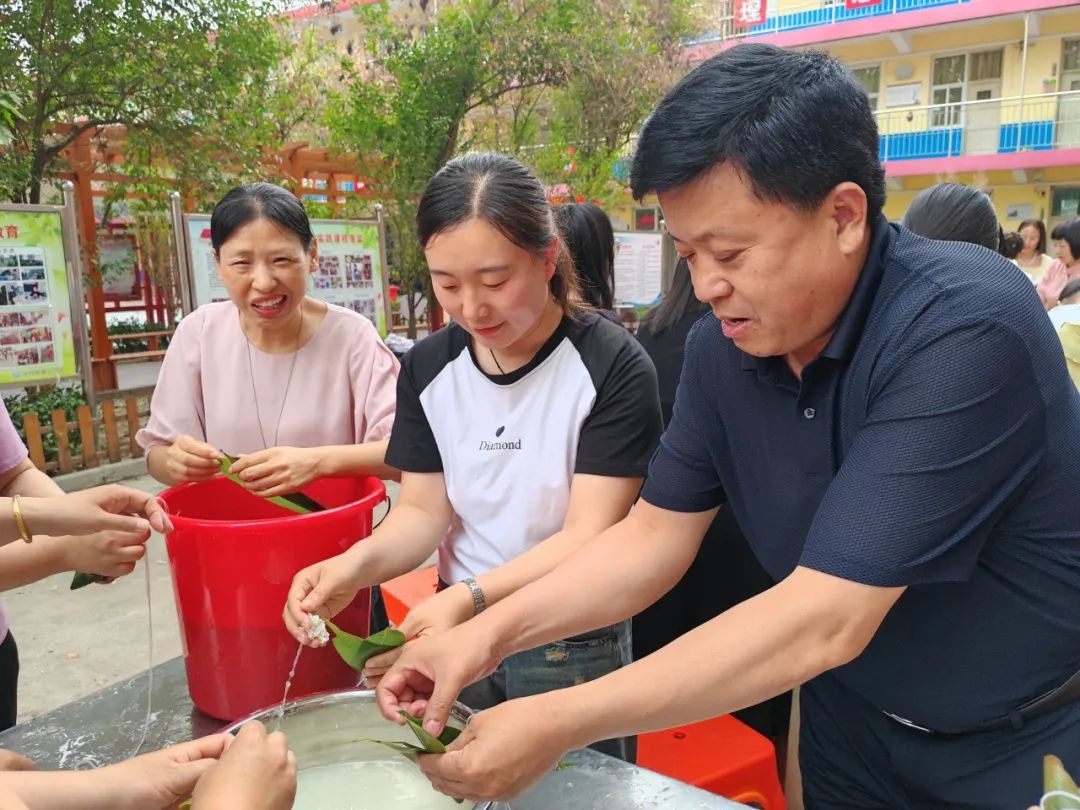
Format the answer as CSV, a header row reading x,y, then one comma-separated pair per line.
x,y
299,388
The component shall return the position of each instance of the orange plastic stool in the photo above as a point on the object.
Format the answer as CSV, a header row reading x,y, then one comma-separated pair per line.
x,y
722,756
404,593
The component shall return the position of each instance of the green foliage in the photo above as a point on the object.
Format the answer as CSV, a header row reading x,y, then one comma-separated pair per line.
x,y
129,326
405,112
625,61
43,400
9,115
187,79
564,84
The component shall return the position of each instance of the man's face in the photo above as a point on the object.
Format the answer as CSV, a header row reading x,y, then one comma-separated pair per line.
x,y
776,278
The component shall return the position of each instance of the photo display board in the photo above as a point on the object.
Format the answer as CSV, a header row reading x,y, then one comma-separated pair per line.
x,y
349,272
37,343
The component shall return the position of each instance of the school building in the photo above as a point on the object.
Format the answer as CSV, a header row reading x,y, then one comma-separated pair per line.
x,y
981,92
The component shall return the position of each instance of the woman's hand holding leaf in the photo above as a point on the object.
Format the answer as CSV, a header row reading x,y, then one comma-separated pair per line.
x,y
189,459
107,508
109,554
325,588
279,470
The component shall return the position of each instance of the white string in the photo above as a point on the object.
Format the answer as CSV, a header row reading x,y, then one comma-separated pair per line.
x,y
150,659
1059,794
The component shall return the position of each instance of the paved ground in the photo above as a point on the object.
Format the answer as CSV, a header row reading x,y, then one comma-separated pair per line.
x,y
72,643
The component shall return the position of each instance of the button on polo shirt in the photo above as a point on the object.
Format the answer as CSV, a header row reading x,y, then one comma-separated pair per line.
x,y
926,447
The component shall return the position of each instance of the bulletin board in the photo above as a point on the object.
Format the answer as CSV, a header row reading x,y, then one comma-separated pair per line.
x,y
350,273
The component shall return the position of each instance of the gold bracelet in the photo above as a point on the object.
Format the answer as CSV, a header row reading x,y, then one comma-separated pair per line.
x,y
24,532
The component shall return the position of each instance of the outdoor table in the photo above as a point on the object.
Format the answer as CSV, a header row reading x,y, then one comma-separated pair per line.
x,y
104,727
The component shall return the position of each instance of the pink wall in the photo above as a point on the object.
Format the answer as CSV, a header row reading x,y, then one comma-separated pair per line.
x,y
983,163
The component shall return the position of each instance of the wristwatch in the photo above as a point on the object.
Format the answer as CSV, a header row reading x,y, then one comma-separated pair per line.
x,y
477,594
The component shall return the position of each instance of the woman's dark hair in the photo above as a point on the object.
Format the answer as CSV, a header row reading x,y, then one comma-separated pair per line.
x,y
954,213
676,302
794,124
1069,233
253,201
503,192
1040,227
587,233
1011,245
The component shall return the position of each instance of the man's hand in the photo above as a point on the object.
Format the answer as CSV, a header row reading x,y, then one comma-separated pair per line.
x,y
436,614
11,761
279,470
325,588
158,780
430,674
258,772
188,459
503,751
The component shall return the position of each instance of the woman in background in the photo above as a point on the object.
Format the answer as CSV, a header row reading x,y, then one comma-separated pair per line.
x,y
588,235
1033,258
952,212
725,571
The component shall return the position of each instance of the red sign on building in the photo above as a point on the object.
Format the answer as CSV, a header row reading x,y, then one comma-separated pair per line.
x,y
749,12
850,4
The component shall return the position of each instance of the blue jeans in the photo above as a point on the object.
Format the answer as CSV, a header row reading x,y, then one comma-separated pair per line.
x,y
559,665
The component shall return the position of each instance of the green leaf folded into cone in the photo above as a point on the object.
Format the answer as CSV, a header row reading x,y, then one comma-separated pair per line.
x,y
1056,780
355,651
432,744
429,744
81,580
297,502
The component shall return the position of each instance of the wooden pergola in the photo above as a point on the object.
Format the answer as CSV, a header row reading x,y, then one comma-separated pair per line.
x,y
92,156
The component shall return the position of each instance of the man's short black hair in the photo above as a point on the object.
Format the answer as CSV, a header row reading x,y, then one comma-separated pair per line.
x,y
795,125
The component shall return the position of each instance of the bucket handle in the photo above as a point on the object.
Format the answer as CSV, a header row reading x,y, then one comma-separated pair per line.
x,y
389,506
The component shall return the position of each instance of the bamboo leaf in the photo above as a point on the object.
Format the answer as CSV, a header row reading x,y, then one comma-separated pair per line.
x,y
1057,780
298,502
355,651
407,749
432,744
81,580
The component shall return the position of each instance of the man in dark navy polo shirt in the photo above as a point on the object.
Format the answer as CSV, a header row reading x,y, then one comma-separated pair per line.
x,y
891,421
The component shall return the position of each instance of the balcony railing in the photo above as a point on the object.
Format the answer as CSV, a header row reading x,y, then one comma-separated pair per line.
x,y
995,126
806,15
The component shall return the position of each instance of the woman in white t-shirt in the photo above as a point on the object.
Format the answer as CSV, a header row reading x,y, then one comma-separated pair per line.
x,y
523,430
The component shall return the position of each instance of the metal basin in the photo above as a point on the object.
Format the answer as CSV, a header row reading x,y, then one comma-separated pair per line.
x,y
330,728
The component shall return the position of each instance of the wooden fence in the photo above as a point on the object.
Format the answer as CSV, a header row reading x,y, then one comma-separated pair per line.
x,y
103,435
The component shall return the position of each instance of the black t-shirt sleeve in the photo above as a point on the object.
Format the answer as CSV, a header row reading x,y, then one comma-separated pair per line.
x,y
412,443
623,428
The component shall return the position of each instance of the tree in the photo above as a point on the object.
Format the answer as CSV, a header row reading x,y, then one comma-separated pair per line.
x,y
183,72
407,107
625,61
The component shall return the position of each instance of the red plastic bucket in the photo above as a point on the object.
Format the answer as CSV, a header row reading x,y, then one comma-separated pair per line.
x,y
233,558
